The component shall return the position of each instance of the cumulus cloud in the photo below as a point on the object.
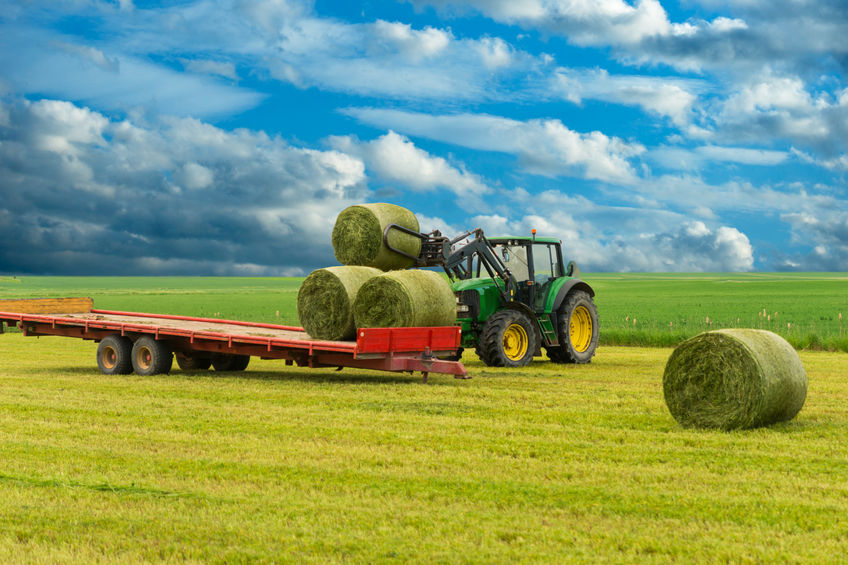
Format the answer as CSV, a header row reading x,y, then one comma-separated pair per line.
x,y
395,158
687,247
543,147
87,194
826,231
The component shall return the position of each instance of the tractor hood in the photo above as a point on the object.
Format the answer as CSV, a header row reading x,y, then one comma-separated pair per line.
x,y
476,284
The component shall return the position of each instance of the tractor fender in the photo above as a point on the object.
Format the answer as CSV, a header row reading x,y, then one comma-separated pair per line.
x,y
529,311
565,289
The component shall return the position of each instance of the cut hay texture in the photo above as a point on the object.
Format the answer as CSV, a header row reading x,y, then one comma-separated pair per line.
x,y
733,379
358,236
325,301
403,299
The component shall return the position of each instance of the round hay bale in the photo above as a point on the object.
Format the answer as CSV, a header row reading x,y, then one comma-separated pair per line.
x,y
325,301
358,236
403,299
734,378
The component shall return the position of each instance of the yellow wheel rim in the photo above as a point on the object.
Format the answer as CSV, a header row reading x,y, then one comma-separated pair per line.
x,y
515,342
580,329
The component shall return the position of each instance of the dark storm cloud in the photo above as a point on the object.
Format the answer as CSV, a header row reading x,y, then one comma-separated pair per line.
x,y
84,194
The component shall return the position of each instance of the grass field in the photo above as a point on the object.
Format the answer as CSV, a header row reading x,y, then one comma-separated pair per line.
x,y
547,464
634,309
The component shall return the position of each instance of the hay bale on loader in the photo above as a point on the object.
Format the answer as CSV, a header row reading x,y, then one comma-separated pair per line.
x,y
403,299
734,379
358,236
325,301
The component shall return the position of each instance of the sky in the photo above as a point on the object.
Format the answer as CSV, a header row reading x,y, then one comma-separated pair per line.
x,y
223,137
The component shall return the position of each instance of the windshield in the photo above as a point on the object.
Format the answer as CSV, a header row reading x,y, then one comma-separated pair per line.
x,y
515,259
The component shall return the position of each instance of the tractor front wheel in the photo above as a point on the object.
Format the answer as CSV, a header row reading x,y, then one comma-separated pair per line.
x,y
578,330
508,339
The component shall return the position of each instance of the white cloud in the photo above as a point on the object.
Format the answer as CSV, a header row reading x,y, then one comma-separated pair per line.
x,y
30,65
599,22
664,96
89,194
394,157
696,159
208,67
544,147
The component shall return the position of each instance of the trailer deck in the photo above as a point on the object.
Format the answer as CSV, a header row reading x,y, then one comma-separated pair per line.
x,y
385,349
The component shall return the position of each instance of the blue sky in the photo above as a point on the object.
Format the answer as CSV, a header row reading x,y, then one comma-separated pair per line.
x,y
223,136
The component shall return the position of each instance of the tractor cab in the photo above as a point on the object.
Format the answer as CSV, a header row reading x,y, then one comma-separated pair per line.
x,y
534,263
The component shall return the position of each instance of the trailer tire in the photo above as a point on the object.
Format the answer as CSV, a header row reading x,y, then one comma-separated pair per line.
x,y
508,339
151,356
193,362
114,355
230,362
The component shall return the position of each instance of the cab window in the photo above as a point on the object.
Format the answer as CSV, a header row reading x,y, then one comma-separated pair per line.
x,y
545,262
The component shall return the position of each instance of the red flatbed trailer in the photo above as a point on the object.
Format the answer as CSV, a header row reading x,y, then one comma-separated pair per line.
x,y
384,349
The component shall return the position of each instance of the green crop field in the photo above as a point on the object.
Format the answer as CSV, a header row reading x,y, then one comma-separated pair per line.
x,y
634,309
548,463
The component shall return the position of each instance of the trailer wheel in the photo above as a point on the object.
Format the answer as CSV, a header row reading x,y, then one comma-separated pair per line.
x,y
193,362
114,355
151,357
230,362
508,339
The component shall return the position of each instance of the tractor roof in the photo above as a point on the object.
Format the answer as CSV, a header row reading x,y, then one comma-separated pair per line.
x,y
522,239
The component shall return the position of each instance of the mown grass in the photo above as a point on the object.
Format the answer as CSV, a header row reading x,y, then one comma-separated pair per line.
x,y
550,463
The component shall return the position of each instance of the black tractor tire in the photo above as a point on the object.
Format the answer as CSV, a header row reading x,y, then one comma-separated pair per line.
x,y
578,330
114,355
151,357
230,362
508,339
193,362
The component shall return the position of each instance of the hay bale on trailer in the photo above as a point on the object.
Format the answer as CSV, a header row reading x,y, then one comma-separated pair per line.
x,y
325,301
734,378
403,299
358,236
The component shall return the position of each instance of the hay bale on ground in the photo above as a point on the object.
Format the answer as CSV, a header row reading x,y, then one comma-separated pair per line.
x,y
734,378
405,298
325,301
358,236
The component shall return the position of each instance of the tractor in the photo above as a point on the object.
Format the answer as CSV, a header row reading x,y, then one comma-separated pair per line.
x,y
515,296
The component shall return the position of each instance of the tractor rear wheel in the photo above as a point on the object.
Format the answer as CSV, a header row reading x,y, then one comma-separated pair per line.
x,y
578,330
508,339
114,355
151,357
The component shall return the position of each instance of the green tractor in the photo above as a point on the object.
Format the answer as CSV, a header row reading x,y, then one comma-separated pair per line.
x,y
515,296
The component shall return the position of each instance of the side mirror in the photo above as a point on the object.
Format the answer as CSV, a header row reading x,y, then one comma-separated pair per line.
x,y
571,270
505,254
